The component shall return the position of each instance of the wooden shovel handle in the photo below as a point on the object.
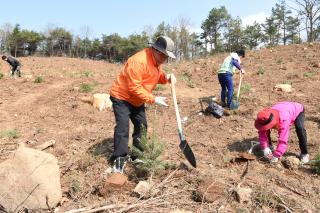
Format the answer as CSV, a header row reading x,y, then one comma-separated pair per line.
x,y
173,90
239,87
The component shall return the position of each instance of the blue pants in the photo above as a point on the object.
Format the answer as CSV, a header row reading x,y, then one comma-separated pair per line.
x,y
226,82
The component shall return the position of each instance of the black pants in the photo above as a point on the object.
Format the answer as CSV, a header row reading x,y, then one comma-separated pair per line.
x,y
301,133
123,111
15,69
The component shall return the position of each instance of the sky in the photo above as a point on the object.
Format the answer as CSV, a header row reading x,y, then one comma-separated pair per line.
x,y
124,17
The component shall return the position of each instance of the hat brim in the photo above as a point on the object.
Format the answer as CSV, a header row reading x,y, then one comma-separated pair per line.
x,y
166,52
273,122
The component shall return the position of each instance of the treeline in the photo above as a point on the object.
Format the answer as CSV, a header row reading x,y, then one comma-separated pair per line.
x,y
220,32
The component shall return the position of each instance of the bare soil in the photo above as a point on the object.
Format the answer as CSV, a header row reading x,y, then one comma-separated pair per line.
x,y
52,109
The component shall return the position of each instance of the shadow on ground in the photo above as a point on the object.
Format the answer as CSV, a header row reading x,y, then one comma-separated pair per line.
x,y
104,148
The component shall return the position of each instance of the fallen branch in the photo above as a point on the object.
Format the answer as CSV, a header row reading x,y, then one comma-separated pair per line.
x,y
282,184
148,202
286,208
283,203
95,208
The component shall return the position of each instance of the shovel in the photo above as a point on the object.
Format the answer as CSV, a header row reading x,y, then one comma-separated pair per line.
x,y
184,146
236,104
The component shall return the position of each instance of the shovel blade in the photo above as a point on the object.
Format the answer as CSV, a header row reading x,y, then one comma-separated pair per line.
x,y
188,153
234,105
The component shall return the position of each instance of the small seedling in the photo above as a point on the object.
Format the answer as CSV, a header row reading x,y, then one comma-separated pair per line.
x,y
260,71
186,78
1,75
245,88
307,74
86,87
87,73
279,61
38,80
11,134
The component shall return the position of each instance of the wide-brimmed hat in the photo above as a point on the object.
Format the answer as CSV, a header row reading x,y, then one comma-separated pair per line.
x,y
165,45
266,119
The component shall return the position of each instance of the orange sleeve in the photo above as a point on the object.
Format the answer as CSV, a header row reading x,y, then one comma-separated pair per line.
x,y
163,78
134,79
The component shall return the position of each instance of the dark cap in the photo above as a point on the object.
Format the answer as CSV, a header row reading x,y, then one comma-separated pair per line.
x,y
241,53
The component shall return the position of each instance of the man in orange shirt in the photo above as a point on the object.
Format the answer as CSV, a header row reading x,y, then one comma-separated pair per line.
x,y
132,89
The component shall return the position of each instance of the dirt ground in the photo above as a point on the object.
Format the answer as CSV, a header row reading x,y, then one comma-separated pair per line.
x,y
52,109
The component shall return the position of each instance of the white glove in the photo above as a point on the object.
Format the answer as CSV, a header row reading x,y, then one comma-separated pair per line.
x,y
267,153
242,71
171,78
274,159
161,101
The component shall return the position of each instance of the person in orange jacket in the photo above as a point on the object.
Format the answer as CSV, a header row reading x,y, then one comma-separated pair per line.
x,y
132,89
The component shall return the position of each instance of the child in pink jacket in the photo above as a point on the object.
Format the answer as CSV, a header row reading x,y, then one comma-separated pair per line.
x,y
280,117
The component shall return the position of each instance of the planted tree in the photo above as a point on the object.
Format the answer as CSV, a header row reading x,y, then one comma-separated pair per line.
x,y
150,158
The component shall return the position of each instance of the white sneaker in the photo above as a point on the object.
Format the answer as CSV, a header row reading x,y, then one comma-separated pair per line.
x,y
304,158
274,159
267,152
119,164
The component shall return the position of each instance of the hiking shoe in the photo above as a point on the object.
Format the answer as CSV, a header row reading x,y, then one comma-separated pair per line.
x,y
223,104
304,158
118,165
274,159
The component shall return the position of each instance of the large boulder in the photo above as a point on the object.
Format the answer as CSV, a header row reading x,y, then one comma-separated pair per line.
x,y
30,179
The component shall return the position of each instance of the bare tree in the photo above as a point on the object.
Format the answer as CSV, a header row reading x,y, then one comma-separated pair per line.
x,y
86,32
49,41
310,9
183,27
149,31
5,32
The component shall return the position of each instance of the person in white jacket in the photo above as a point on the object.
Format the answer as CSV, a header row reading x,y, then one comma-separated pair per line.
x,y
225,73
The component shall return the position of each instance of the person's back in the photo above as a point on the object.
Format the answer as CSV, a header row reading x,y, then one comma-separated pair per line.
x,y
14,63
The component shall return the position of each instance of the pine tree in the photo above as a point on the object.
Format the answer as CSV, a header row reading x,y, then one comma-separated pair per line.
x,y
150,162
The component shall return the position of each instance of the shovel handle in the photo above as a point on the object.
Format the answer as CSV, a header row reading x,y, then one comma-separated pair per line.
x,y
173,90
239,87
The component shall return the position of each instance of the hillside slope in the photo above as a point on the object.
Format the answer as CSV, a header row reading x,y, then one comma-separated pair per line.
x,y
84,136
